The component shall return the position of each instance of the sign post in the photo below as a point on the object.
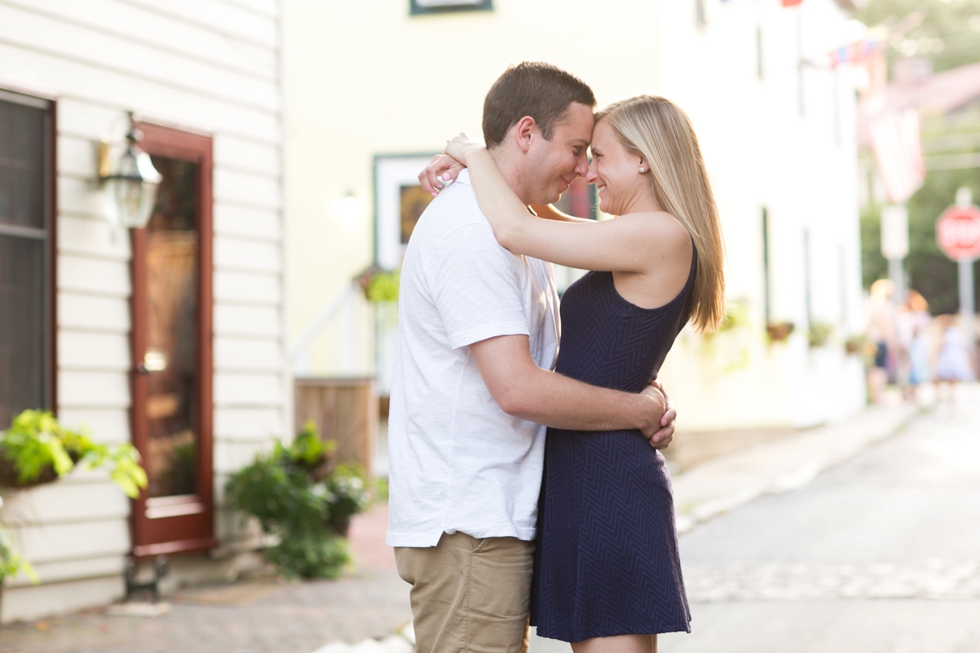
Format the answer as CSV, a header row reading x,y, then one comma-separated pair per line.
x,y
895,245
958,236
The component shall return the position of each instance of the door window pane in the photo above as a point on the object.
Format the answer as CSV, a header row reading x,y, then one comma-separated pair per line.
x,y
171,360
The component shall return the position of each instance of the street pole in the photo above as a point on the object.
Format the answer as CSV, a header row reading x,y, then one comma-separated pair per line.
x,y
964,198
895,245
966,298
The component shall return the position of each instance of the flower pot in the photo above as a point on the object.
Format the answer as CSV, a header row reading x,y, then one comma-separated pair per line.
x,y
9,476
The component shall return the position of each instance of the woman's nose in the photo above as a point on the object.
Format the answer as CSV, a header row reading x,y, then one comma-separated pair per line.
x,y
590,174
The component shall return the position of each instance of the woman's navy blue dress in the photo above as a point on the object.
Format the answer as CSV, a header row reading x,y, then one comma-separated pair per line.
x,y
606,560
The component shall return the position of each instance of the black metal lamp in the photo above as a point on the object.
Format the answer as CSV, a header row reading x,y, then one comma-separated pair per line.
x,y
131,188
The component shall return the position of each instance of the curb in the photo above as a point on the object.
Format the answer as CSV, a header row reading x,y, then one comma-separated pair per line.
x,y
724,484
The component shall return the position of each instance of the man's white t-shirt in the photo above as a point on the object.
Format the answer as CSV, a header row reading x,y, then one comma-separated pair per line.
x,y
457,461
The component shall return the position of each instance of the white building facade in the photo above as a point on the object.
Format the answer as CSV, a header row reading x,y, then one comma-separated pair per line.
x,y
171,337
776,124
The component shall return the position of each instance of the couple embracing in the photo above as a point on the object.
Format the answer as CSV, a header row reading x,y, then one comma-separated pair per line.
x,y
524,481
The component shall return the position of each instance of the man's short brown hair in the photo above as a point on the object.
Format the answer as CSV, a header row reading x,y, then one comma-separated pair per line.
x,y
534,89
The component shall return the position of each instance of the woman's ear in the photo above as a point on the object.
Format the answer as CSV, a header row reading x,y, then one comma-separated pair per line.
x,y
643,167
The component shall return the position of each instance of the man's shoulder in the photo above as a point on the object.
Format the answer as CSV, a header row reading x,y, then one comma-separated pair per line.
x,y
453,216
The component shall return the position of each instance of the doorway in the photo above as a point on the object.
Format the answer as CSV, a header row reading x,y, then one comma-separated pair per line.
x,y
171,349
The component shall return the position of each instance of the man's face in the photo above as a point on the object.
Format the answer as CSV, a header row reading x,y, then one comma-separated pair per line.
x,y
553,165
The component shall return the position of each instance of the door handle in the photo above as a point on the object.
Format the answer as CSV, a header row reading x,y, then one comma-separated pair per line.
x,y
141,369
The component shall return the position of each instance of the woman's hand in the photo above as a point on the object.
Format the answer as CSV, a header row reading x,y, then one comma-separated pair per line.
x,y
462,145
440,172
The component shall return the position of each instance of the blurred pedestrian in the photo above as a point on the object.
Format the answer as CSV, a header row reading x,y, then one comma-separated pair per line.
x,y
913,343
881,333
954,362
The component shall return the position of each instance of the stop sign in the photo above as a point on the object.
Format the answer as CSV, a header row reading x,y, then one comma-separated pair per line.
x,y
958,232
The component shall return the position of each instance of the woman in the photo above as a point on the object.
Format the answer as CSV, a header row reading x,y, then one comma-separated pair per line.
x,y
607,573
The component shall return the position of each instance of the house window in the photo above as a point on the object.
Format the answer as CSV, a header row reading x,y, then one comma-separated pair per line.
x,y
441,6
26,346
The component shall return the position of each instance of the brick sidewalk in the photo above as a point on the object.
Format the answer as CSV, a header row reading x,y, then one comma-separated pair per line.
x,y
252,616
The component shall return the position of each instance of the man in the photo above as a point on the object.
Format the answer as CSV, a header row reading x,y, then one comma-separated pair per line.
x,y
477,337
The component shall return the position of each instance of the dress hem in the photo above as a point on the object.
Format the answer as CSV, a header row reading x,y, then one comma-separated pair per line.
x,y
626,630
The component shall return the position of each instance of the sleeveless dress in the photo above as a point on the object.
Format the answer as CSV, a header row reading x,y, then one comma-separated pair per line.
x,y
606,560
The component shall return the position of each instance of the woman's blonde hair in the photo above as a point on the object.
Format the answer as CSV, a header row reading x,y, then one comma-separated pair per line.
x,y
661,133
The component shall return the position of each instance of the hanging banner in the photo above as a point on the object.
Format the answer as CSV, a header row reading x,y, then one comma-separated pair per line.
x,y
897,146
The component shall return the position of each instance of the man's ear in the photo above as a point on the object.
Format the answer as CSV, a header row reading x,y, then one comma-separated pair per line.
x,y
524,130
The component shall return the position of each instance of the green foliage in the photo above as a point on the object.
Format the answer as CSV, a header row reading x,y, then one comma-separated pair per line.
x,y
383,287
311,555
349,492
36,442
294,494
820,333
10,560
917,20
727,346
928,270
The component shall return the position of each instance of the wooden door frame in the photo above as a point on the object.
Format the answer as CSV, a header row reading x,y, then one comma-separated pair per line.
x,y
158,523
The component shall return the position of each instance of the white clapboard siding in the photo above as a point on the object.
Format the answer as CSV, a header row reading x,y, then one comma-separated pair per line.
x,y
86,350
132,57
239,154
168,34
247,222
240,389
92,122
92,238
93,389
219,16
65,570
207,66
247,288
77,311
246,255
103,425
232,354
80,197
78,156
267,8
68,540
36,601
239,187
66,502
254,321
231,456
247,423
93,275
147,98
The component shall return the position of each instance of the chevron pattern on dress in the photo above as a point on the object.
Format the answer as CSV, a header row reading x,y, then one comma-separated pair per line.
x,y
606,561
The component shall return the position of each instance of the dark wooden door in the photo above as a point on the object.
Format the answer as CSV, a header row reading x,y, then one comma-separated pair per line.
x,y
172,371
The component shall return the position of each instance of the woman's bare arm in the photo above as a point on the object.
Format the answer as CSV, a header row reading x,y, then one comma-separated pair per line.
x,y
631,243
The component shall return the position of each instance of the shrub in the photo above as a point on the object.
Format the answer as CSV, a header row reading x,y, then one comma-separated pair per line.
x,y
297,495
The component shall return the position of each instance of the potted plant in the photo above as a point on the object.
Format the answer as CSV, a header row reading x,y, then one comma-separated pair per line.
x,y
10,561
37,449
298,495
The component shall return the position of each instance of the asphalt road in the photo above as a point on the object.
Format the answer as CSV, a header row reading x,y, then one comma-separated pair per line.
x,y
881,553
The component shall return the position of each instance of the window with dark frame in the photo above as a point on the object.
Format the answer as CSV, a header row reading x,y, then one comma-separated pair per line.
x,y
443,6
26,251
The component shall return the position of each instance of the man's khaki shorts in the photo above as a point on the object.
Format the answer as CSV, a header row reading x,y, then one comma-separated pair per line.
x,y
469,594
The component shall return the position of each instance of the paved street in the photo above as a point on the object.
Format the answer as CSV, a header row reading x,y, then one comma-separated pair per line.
x,y
881,553
789,549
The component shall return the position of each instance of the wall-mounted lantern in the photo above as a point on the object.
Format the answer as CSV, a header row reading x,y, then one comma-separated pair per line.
x,y
131,185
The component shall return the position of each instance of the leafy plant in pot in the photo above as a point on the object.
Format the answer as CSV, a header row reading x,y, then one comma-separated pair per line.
x,y
37,449
298,495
